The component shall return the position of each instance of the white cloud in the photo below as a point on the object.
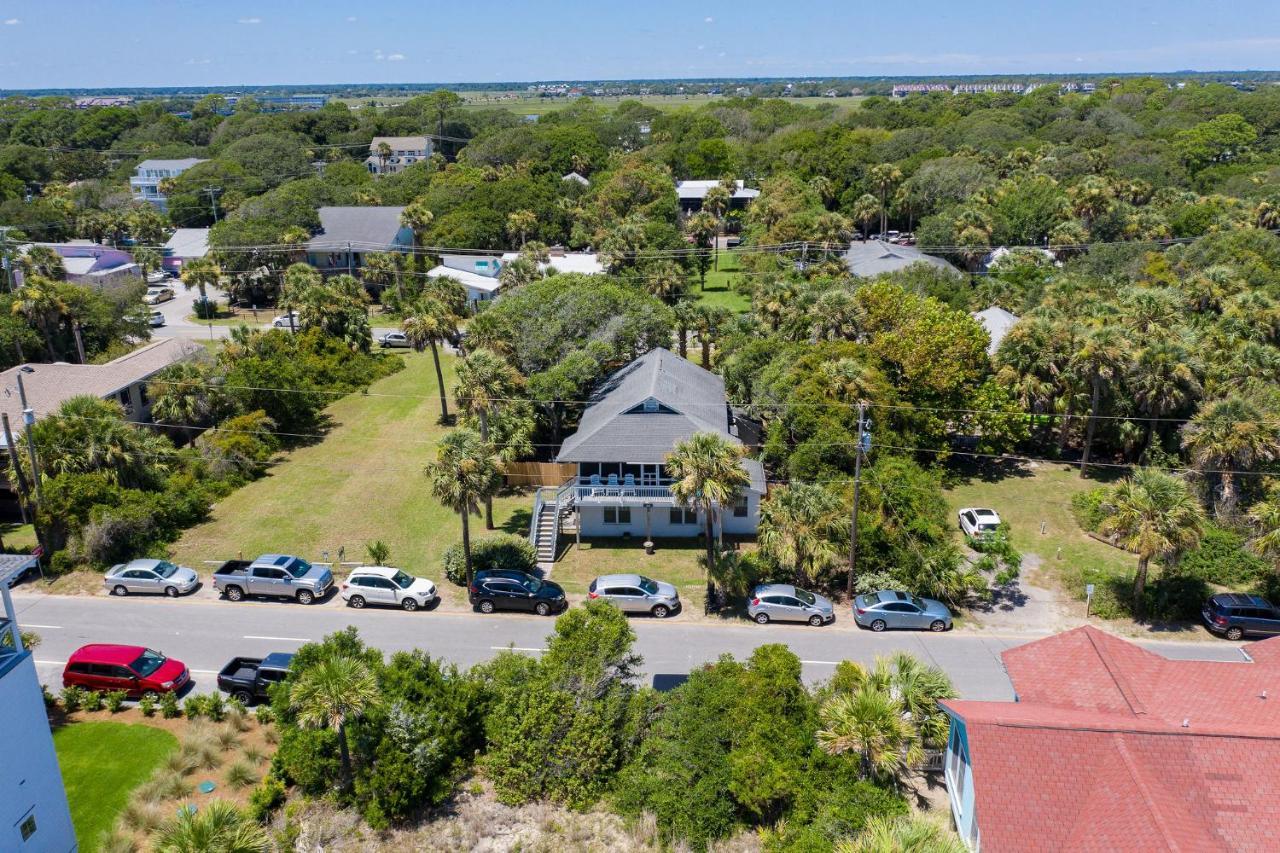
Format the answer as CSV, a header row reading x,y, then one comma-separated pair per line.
x,y
351,19
194,61
396,57
352,52
248,20
702,47
12,22
721,53
708,20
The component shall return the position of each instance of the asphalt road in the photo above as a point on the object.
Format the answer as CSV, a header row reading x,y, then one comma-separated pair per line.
x,y
177,311
206,634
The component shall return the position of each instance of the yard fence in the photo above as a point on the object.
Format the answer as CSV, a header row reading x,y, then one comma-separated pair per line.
x,y
538,473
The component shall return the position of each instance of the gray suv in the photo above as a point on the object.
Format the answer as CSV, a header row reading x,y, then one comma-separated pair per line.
x,y
636,594
781,602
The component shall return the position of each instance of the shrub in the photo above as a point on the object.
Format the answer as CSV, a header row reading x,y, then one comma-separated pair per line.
x,y
265,715
49,699
92,700
237,717
215,707
253,754
165,785
182,761
227,738
142,815
236,706
115,700
169,705
378,551
241,775
266,798
504,551
193,707
1087,508
72,698
147,704
1222,558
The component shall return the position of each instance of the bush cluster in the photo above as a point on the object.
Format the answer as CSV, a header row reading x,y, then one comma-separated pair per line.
x,y
503,551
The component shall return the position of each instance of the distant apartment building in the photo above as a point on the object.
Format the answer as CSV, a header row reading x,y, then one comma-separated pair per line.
x,y
391,154
103,101
904,89
34,815
145,183
989,88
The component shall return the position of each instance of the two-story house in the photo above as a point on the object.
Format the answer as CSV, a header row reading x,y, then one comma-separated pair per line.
x,y
391,154
622,486
145,183
693,193
34,816
347,234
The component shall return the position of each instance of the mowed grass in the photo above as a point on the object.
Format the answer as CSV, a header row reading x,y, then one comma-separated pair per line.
x,y
721,286
364,481
1028,497
102,763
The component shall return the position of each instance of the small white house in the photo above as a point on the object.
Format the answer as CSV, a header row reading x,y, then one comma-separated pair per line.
x,y
400,153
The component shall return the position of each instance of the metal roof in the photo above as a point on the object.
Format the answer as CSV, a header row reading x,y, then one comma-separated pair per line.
x,y
872,258
362,226
12,565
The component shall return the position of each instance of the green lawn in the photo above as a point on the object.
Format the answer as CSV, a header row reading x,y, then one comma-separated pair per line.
x,y
363,482
720,288
674,561
102,762
1025,498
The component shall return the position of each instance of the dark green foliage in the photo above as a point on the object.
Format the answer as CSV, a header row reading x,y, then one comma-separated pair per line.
x,y
114,700
268,796
169,705
503,551
72,698
1087,507
92,700
1223,559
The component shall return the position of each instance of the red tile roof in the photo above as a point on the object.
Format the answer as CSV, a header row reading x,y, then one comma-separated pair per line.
x,y
1111,747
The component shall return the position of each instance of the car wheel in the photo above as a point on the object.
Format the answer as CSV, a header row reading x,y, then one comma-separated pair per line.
x,y
938,626
305,596
119,589
1235,633
815,621
542,608
660,611
234,593
486,607
762,618
878,625
171,591
244,697
356,601
410,604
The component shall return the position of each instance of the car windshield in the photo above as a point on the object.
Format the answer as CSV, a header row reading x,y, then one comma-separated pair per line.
x,y
299,568
147,663
806,597
165,570
402,580
989,525
649,585
918,602
533,584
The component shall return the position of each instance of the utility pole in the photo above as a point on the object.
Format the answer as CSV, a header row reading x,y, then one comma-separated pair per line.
x,y
75,327
29,421
864,445
213,202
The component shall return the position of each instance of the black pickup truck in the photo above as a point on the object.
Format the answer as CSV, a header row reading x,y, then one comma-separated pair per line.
x,y
250,679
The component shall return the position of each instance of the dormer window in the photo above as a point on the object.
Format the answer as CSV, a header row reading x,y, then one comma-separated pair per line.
x,y
650,406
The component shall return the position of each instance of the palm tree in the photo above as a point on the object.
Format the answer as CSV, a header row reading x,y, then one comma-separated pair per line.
x,y
520,223
830,229
485,383
465,472
1227,435
201,273
916,686
431,323
798,527
865,209
884,178
381,270
710,320
708,473
38,300
296,237
384,154
180,395
218,827
870,724
665,280
417,218
147,259
1162,380
1265,515
44,262
904,834
701,228
716,202
1104,356
336,690
1153,514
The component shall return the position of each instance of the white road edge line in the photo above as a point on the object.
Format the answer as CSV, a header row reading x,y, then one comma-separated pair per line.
x,y
34,625
282,639
515,649
51,662
205,671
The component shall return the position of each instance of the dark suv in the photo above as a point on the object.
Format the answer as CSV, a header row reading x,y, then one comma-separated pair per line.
x,y
1235,614
499,589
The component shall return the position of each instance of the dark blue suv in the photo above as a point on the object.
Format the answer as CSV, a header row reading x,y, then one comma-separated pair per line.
x,y
1234,614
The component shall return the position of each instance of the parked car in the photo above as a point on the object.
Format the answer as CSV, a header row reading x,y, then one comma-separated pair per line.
x,y
157,276
133,669
156,576
978,522
156,320
387,586
1234,614
782,602
273,576
250,679
512,590
282,322
156,295
892,609
636,594
394,339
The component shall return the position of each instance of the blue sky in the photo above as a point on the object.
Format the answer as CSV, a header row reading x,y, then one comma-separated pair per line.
x,y
98,43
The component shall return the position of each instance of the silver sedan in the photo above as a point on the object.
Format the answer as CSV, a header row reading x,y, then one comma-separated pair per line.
x,y
154,576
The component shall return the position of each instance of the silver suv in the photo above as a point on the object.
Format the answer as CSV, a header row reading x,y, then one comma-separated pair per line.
x,y
783,602
636,594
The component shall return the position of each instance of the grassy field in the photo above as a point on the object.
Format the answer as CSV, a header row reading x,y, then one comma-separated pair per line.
x,y
363,482
102,763
720,286
1027,498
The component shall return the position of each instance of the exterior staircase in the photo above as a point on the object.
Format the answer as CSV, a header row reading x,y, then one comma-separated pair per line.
x,y
550,507
548,523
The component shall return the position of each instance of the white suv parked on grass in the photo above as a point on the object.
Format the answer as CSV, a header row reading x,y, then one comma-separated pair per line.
x,y
977,522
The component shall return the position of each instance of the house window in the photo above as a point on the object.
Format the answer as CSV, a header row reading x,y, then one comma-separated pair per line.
x,y
617,515
684,516
740,507
28,827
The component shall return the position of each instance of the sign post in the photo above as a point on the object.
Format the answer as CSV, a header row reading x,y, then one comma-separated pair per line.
x,y
1088,598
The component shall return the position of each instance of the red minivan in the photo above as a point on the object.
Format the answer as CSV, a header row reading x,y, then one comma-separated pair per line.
x,y
135,669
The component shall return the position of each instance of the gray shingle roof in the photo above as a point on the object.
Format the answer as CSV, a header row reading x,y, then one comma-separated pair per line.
x,y
997,322
691,400
361,226
874,258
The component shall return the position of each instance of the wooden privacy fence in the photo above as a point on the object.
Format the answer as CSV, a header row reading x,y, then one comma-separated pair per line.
x,y
538,473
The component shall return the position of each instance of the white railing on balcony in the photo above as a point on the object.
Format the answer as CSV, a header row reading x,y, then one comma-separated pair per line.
x,y
586,488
